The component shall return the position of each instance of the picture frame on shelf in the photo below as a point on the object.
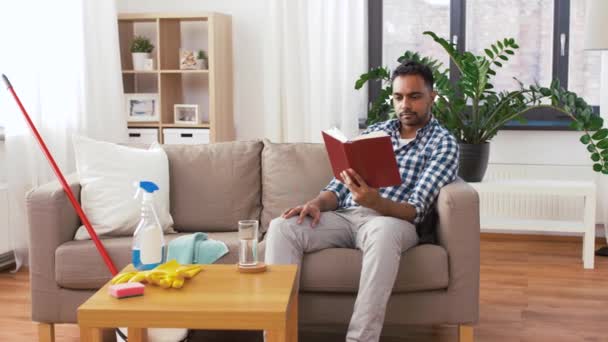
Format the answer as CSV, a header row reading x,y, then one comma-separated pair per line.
x,y
185,114
187,60
142,107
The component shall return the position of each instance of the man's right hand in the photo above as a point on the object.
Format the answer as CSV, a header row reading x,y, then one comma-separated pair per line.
x,y
308,209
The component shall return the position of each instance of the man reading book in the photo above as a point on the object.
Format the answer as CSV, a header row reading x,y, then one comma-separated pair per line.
x,y
380,222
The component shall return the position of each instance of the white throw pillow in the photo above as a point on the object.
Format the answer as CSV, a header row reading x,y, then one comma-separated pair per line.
x,y
107,175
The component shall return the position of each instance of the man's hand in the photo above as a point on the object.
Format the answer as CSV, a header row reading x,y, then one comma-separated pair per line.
x,y
309,209
363,194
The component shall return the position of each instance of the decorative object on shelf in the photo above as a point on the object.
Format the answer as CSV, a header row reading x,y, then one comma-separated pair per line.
x,y
185,114
473,112
201,60
149,64
187,60
141,47
142,107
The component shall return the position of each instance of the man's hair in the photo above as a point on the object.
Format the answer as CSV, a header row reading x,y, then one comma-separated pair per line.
x,y
414,68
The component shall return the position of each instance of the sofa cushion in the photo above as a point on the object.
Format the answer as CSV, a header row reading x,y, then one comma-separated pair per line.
x,y
291,175
78,265
422,268
214,186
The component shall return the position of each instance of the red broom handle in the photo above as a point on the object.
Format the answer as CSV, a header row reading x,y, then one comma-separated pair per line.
x,y
64,184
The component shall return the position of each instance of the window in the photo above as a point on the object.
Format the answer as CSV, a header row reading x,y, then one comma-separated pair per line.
x,y
403,23
584,66
529,22
549,33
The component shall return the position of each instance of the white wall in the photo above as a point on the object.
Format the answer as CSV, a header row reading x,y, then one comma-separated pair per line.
x,y
248,18
4,238
2,163
554,147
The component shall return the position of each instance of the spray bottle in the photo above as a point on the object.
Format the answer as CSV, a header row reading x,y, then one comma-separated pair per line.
x,y
148,241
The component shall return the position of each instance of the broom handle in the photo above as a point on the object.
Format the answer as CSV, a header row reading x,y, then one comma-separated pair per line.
x,y
64,184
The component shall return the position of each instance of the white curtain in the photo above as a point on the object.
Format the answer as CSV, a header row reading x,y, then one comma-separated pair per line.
x,y
63,60
315,50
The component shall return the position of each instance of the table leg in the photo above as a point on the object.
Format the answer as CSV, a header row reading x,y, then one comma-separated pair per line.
x,y
138,334
88,334
589,235
292,319
276,335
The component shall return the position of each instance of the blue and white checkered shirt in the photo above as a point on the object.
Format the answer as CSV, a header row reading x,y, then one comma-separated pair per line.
x,y
426,164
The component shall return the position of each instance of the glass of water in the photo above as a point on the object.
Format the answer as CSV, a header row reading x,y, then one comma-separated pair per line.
x,y
248,243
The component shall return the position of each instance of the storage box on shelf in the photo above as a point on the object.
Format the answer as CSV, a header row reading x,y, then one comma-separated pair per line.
x,y
188,136
209,88
143,135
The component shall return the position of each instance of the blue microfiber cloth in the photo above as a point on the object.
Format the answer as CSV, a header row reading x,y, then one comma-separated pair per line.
x,y
196,248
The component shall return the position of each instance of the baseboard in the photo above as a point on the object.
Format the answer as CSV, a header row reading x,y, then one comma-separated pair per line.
x,y
7,261
489,235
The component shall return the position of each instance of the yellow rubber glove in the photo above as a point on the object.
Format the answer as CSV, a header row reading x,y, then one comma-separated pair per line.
x,y
167,275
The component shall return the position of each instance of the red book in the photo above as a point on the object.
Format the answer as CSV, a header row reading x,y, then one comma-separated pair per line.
x,y
371,156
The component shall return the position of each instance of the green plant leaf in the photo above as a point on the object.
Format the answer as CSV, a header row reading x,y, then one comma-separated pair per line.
x,y
595,157
498,63
509,52
603,144
596,123
503,57
489,53
591,148
379,73
597,167
585,139
494,49
515,46
600,134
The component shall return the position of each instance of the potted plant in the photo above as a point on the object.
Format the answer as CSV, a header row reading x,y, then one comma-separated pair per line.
x,y
201,60
473,112
141,47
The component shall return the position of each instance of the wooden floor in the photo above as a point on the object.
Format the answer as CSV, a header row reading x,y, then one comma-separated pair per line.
x,y
531,290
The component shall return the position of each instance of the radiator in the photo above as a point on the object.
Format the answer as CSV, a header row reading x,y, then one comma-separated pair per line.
x,y
542,207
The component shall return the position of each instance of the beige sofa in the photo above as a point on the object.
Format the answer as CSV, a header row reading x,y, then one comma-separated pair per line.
x,y
214,186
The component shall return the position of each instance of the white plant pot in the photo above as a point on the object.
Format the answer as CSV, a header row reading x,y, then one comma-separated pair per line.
x,y
139,60
201,64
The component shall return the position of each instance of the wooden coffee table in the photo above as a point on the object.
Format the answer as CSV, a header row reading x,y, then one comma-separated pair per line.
x,y
218,298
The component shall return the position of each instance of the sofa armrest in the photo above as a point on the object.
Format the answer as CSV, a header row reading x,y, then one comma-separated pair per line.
x,y
458,232
52,221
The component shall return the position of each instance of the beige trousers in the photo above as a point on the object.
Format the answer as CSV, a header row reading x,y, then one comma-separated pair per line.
x,y
382,239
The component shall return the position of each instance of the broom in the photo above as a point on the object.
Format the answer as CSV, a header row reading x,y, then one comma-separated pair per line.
x,y
83,218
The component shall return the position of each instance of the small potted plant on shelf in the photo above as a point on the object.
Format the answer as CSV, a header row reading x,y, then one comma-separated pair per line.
x,y
201,60
141,47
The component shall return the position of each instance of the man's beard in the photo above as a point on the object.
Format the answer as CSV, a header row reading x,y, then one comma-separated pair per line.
x,y
411,118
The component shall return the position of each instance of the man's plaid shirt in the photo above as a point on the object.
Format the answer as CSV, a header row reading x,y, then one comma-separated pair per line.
x,y
426,164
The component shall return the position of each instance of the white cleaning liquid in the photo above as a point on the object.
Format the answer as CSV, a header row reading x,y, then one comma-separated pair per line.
x,y
148,241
